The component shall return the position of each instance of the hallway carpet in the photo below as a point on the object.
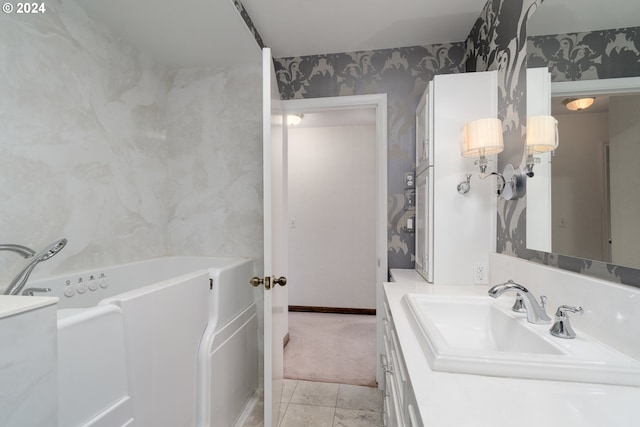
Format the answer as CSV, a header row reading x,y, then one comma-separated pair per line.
x,y
334,348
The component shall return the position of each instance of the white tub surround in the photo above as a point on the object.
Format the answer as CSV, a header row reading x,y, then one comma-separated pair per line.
x,y
175,340
228,355
163,325
93,385
496,401
28,362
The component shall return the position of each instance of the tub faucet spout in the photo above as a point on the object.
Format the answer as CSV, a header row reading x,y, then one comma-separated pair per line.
x,y
21,278
24,251
535,313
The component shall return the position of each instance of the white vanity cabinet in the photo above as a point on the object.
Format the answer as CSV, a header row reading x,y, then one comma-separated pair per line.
x,y
400,407
424,129
424,225
454,232
423,179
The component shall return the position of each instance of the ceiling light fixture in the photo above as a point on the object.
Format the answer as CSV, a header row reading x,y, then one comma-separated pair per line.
x,y
577,104
294,119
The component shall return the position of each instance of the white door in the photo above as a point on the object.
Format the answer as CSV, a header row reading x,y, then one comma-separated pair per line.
x,y
275,209
539,189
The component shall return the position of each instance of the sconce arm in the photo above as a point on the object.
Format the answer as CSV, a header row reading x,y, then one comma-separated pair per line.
x,y
501,180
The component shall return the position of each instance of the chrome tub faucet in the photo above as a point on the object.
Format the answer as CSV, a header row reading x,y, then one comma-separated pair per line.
x,y
21,278
535,312
24,251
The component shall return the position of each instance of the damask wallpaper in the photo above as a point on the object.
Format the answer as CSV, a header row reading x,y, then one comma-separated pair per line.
x,y
497,41
402,74
592,55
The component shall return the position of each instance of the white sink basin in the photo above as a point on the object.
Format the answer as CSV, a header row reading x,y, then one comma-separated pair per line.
x,y
481,335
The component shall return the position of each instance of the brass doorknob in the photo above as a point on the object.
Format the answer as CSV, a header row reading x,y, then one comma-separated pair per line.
x,y
280,281
256,281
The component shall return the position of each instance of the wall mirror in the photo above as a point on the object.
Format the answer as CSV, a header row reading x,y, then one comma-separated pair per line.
x,y
595,191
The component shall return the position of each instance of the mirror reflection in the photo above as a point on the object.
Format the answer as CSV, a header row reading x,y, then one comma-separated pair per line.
x,y
595,198
595,191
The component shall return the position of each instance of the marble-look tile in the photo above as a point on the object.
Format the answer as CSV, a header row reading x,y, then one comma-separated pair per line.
x,y
308,416
125,158
256,417
315,393
359,398
288,388
354,418
283,410
82,142
214,126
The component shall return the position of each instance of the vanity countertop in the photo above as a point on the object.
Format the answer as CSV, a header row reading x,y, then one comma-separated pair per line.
x,y
11,305
450,399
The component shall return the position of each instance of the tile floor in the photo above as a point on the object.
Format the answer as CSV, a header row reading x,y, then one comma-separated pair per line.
x,y
317,404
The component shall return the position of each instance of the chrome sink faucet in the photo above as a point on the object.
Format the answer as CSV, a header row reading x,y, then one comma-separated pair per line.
x,y
535,313
21,278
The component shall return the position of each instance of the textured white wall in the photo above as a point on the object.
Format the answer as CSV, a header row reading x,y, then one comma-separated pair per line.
x,y
82,142
214,132
91,149
332,249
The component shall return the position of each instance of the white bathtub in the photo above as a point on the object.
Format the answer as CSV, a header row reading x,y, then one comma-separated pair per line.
x,y
187,327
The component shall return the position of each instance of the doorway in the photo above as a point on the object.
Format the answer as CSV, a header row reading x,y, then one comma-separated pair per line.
x,y
338,196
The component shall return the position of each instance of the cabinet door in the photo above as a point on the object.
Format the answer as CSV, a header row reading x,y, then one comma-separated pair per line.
x,y
424,129
424,224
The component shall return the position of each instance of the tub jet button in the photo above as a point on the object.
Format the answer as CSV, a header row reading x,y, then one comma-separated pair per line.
x,y
93,285
69,291
81,288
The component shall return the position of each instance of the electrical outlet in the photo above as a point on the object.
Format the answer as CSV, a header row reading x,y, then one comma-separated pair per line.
x,y
563,222
481,273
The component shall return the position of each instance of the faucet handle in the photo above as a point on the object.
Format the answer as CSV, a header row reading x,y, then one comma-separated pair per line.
x,y
29,291
518,305
543,301
561,327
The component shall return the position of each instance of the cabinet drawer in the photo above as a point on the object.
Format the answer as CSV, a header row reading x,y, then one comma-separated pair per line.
x,y
399,358
392,416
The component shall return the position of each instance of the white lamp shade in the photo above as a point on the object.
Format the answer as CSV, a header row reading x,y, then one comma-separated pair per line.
x,y
542,134
482,137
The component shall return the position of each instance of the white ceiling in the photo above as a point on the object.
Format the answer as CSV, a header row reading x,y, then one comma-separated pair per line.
x,y
187,33
307,27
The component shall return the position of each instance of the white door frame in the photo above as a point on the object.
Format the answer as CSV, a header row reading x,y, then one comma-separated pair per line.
x,y
379,102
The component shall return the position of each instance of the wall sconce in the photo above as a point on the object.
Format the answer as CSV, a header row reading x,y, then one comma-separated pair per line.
x,y
481,138
577,104
294,119
542,136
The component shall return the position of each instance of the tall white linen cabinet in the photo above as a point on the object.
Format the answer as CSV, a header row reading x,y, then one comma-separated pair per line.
x,y
455,231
